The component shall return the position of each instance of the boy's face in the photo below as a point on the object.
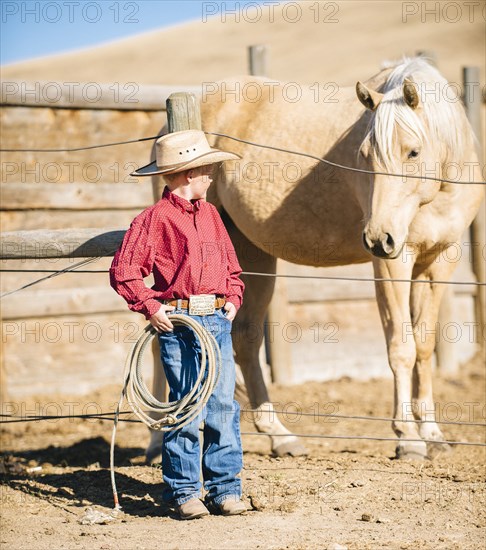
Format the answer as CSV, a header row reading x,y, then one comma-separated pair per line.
x,y
201,179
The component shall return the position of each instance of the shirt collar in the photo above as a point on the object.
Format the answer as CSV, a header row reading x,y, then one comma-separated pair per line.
x,y
179,202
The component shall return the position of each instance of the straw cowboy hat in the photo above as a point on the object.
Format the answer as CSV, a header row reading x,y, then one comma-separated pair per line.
x,y
179,151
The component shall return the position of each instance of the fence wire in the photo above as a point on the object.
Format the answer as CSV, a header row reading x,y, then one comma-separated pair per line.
x,y
73,269
110,416
253,144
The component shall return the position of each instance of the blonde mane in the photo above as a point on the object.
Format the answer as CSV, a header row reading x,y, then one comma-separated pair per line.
x,y
441,120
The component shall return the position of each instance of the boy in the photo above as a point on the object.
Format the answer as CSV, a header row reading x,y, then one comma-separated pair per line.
x,y
183,242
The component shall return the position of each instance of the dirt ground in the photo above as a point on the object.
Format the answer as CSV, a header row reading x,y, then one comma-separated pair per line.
x,y
345,494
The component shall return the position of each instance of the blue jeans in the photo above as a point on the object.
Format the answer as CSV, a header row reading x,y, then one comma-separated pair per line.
x,y
222,456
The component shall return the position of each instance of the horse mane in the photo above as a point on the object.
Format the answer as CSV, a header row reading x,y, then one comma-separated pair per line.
x,y
442,119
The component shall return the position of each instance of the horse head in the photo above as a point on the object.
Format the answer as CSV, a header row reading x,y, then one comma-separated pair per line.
x,y
406,136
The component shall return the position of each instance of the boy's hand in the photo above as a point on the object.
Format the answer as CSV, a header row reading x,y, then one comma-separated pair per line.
x,y
231,311
160,321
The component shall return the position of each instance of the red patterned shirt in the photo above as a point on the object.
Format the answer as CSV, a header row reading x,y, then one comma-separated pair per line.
x,y
186,247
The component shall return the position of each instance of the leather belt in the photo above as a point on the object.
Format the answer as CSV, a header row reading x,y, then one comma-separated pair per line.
x,y
184,304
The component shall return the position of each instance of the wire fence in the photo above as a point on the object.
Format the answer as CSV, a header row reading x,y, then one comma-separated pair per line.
x,y
73,269
256,274
110,416
262,146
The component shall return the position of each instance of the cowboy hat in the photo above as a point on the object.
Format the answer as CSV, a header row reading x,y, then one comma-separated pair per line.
x,y
179,151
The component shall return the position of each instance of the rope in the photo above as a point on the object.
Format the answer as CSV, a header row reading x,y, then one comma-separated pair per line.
x,y
176,414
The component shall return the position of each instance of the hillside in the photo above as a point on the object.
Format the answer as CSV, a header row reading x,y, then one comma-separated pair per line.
x,y
349,41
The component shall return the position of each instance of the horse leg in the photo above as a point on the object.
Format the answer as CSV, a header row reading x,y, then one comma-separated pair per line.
x,y
425,303
248,336
393,303
159,391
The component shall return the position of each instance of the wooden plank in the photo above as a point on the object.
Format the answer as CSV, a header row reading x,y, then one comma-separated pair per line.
x,y
69,354
60,243
313,289
89,95
28,220
51,128
26,271
75,196
309,291
62,301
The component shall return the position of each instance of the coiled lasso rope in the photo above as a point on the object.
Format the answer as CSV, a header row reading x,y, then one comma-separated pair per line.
x,y
175,414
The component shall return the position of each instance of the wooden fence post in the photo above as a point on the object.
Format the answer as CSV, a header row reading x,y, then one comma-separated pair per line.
x,y
183,112
472,104
257,60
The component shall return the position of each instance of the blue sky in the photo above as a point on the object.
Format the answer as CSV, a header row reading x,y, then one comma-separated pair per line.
x,y
37,28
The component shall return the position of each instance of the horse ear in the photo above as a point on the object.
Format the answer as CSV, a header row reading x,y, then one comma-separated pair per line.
x,y
410,93
369,98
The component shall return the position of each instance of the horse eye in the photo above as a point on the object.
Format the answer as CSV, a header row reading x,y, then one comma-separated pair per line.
x,y
414,153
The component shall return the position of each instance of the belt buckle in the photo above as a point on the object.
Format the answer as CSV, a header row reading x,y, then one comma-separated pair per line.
x,y
202,304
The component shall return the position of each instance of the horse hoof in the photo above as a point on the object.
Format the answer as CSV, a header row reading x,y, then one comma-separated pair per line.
x,y
413,452
290,448
411,455
437,448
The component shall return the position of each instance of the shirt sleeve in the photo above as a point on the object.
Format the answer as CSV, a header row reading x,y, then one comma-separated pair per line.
x,y
132,262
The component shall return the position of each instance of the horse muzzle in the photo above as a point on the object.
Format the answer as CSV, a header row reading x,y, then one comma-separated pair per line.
x,y
381,246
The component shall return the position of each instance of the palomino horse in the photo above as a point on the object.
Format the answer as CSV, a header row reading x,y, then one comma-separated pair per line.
x,y
332,216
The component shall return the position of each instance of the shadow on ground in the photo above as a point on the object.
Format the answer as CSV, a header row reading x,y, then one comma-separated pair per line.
x,y
89,485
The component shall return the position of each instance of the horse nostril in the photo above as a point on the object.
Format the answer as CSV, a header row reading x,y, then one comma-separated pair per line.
x,y
389,243
381,246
